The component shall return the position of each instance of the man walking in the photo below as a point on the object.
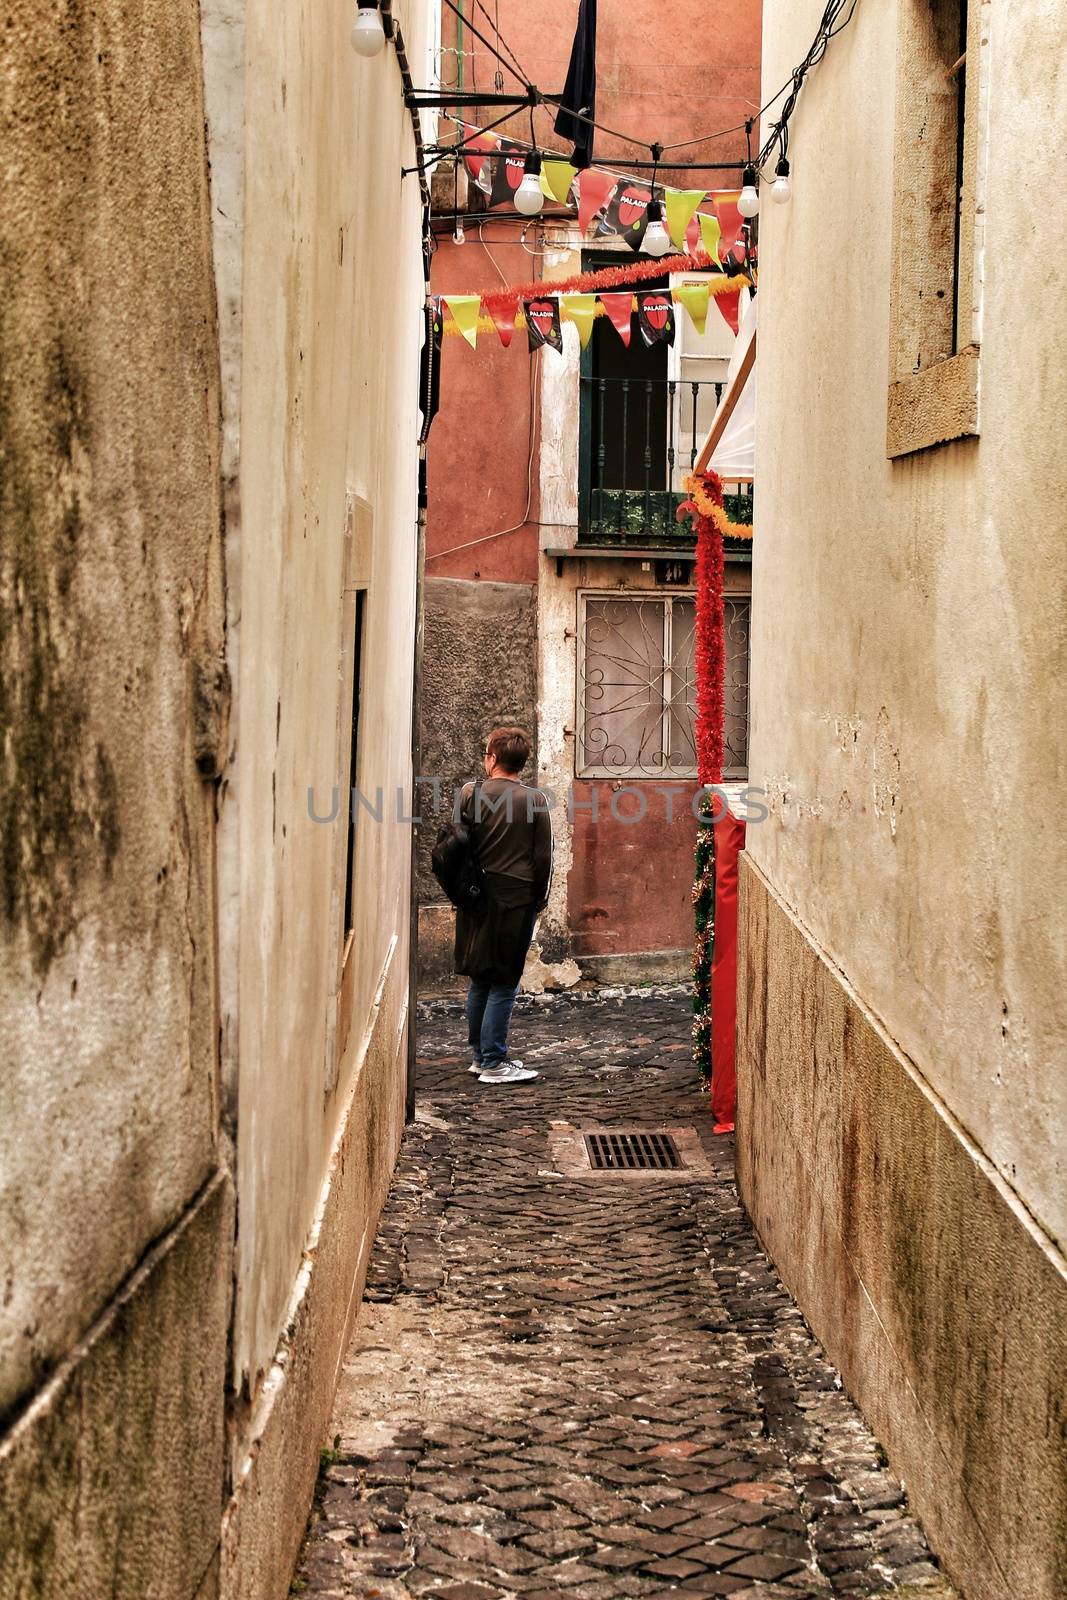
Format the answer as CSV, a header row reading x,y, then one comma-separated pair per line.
x,y
513,837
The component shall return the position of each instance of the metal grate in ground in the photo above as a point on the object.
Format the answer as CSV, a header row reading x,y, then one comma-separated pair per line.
x,y
632,1151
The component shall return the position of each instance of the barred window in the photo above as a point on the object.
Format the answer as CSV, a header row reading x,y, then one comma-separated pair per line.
x,y
637,690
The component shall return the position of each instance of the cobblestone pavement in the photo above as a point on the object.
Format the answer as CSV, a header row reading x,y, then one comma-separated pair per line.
x,y
589,1386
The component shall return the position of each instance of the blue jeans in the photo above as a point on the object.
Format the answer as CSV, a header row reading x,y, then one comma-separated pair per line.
x,y
489,1008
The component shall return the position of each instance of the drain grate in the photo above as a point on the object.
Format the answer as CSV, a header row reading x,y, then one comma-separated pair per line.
x,y
632,1152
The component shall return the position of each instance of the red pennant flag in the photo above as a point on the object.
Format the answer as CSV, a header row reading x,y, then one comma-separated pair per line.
x,y
504,319
595,189
724,202
619,308
728,304
478,146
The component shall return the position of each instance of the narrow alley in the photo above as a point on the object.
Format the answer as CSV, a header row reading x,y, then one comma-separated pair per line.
x,y
567,1382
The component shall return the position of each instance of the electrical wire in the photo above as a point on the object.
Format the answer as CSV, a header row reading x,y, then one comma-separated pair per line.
x,y
492,257
835,18
518,69
493,51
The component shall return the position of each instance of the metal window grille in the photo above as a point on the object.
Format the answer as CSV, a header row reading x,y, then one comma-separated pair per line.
x,y
636,686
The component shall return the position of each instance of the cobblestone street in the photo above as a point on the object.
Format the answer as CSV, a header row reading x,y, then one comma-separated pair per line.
x,y
589,1384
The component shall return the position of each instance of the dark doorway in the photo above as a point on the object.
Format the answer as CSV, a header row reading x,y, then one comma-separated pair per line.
x,y
353,764
623,423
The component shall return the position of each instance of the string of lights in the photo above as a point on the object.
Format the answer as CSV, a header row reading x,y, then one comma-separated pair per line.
x,y
835,18
837,14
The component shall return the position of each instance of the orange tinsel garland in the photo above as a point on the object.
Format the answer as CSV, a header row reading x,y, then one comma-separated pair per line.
x,y
615,278
701,503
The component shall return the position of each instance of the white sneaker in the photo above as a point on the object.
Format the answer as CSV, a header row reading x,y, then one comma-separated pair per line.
x,y
507,1072
475,1067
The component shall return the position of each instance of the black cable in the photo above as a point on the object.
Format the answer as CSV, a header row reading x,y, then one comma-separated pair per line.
x,y
493,51
519,73
835,18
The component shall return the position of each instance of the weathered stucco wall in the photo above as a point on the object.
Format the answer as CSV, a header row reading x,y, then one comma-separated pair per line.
x,y
110,592
326,486
908,703
117,1224
480,671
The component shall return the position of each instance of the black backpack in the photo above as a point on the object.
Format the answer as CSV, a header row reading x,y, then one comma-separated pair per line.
x,y
455,863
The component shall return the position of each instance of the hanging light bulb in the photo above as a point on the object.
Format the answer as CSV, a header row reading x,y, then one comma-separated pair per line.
x,y
657,241
780,188
748,204
528,196
368,32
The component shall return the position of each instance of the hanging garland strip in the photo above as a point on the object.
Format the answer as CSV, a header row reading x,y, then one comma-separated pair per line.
x,y
703,506
613,278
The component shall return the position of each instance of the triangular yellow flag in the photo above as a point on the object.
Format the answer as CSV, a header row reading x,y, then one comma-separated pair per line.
x,y
465,309
681,203
709,235
556,180
694,297
581,309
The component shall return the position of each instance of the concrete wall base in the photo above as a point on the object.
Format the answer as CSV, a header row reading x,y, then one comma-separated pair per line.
x,y
931,1287
274,1482
111,1479
639,966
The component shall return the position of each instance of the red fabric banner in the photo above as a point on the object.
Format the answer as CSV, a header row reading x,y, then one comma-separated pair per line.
x,y
595,189
619,308
729,305
729,842
503,315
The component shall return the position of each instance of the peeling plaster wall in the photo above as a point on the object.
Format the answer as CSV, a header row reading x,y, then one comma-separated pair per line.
x,y
909,712
111,686
909,651
331,294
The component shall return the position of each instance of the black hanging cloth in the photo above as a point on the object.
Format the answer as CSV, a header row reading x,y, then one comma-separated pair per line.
x,y
579,93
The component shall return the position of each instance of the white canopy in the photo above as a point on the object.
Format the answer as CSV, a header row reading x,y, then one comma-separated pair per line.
x,y
730,448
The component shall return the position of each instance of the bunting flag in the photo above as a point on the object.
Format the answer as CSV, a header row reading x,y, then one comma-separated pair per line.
x,y
709,235
556,180
730,220
655,316
581,309
543,324
503,316
730,306
477,147
694,297
619,308
595,191
465,309
680,206
627,213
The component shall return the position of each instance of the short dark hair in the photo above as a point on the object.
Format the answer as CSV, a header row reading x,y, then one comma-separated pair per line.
x,y
509,748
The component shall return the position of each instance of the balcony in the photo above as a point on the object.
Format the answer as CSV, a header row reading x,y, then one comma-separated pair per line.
x,y
639,440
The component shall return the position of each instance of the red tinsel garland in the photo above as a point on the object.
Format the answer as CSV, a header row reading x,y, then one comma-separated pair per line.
x,y
605,278
710,640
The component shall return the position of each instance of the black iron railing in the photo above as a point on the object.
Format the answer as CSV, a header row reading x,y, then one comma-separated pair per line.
x,y
640,438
